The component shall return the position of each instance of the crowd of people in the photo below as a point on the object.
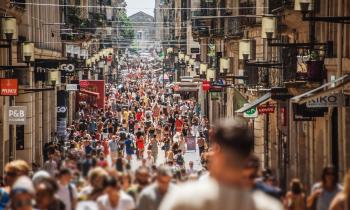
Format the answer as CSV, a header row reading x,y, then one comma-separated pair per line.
x,y
131,155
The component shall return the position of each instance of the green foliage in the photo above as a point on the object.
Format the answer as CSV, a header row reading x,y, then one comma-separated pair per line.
x,y
127,34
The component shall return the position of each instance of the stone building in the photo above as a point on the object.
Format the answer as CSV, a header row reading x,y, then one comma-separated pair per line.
x,y
144,28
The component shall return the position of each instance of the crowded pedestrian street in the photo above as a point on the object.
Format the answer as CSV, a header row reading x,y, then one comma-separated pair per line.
x,y
174,105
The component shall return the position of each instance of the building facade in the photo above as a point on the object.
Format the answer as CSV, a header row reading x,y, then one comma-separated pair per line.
x,y
276,74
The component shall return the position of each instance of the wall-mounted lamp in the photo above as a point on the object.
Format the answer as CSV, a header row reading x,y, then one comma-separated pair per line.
x,y
28,52
269,25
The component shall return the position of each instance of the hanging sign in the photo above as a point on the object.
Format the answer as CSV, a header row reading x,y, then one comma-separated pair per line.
x,y
17,115
326,101
266,109
251,113
206,85
72,87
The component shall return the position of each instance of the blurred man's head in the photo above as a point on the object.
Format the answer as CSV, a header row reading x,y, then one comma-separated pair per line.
x,y
112,188
142,176
15,169
251,171
163,178
65,176
232,144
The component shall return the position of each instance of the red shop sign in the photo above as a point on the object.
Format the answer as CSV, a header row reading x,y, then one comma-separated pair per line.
x,y
266,109
206,85
9,87
84,83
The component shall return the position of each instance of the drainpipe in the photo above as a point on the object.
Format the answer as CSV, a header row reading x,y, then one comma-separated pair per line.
x,y
341,140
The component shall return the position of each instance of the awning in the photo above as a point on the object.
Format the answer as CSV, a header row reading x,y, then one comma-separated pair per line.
x,y
90,93
255,103
239,100
322,90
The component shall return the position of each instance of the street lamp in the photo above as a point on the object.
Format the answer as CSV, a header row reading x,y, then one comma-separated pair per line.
x,y
181,56
76,51
9,28
269,25
69,50
203,68
303,5
224,65
211,74
187,58
28,52
244,49
169,50
84,53
307,7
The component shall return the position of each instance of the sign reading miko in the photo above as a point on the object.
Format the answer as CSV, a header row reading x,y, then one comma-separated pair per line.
x,y
326,101
17,115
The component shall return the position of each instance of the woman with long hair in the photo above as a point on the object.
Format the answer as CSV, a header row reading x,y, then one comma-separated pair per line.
x,y
295,197
323,192
342,199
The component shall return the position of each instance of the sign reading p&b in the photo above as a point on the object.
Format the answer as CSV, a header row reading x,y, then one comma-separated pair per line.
x,y
17,115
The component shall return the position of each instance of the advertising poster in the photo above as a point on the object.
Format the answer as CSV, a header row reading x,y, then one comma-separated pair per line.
x,y
62,112
191,142
92,92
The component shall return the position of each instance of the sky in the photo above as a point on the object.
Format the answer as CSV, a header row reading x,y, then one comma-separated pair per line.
x,y
134,6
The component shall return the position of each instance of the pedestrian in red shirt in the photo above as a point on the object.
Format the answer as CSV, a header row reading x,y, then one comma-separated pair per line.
x,y
140,143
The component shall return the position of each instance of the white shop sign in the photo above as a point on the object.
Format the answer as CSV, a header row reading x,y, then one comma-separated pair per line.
x,y
17,115
72,87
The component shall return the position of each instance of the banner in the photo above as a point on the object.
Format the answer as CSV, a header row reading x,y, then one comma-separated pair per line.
x,y
92,92
62,112
191,142
9,87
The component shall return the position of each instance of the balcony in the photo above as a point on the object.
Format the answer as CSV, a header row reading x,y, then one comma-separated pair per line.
x,y
217,32
247,7
204,12
235,28
19,4
276,5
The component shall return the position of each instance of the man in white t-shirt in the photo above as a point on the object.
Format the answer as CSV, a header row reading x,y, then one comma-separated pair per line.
x,y
232,144
67,192
115,198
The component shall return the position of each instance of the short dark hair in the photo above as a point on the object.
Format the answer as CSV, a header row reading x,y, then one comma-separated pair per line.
x,y
65,171
233,135
111,182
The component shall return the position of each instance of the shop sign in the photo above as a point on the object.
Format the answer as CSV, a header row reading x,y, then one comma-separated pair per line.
x,y
206,85
251,113
302,112
62,112
67,68
17,115
327,101
72,87
266,109
9,87
194,50
84,83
